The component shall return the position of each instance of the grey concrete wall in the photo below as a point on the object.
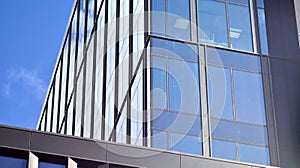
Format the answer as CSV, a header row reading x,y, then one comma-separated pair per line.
x,y
284,65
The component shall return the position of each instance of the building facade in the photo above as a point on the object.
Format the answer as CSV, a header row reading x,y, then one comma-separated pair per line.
x,y
212,78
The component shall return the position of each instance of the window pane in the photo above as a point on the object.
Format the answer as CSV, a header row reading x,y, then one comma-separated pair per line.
x,y
253,154
263,31
186,143
183,96
220,93
12,162
233,59
159,84
223,149
245,2
178,19
158,17
260,3
249,100
159,139
212,22
240,29
176,122
50,165
174,49
240,132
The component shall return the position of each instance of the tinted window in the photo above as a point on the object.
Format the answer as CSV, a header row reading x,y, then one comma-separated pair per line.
x,y
240,29
249,101
50,165
158,17
212,22
223,149
260,3
253,154
245,2
12,162
186,143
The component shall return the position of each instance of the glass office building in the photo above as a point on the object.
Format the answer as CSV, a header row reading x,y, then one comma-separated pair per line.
x,y
212,78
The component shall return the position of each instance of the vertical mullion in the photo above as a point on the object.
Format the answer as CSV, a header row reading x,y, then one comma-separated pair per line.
x,y
84,66
104,72
255,26
52,103
228,26
93,72
75,68
59,93
128,137
67,78
46,118
145,93
203,69
116,92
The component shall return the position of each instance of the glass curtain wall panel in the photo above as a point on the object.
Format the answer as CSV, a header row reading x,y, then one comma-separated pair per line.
x,y
82,10
236,106
175,103
262,27
225,23
169,19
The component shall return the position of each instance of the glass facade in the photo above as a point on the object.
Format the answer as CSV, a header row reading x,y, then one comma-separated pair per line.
x,y
193,83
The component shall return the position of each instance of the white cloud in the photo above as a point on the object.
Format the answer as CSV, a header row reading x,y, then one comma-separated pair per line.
x,y
25,78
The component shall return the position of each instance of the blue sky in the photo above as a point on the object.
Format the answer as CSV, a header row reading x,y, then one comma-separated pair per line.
x,y
31,34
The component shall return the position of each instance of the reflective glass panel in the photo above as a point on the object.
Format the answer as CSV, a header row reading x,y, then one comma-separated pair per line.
x,y
240,132
158,17
233,59
186,143
159,84
159,139
240,28
260,3
223,149
174,49
220,92
244,2
249,101
183,96
212,22
253,154
178,19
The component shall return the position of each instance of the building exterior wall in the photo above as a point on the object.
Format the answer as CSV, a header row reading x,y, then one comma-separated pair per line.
x,y
216,75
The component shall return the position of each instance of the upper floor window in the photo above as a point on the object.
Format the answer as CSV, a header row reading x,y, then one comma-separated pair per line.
x,y
225,23
171,18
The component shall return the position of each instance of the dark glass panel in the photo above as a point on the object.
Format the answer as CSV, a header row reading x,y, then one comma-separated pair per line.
x,y
12,162
212,22
223,149
240,28
50,165
254,154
